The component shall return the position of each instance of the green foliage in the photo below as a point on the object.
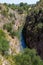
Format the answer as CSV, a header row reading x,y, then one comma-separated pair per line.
x,y
4,13
0,8
8,27
0,62
21,4
40,25
4,44
24,6
10,59
13,6
11,15
2,34
28,57
5,10
20,7
20,10
12,33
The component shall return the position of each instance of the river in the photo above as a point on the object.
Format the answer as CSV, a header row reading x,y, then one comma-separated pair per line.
x,y
23,44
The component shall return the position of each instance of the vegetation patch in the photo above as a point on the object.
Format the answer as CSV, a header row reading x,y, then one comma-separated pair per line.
x,y
4,44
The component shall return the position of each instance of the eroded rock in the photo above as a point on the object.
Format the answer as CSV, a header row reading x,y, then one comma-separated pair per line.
x,y
33,32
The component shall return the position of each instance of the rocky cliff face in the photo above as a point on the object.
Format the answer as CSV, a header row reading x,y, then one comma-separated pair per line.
x,y
11,22
33,31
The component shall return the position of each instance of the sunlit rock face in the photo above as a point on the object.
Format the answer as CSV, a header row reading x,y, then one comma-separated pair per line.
x,y
33,31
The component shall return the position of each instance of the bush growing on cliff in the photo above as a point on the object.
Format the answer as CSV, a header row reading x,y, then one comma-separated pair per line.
x,y
8,27
4,13
20,10
4,44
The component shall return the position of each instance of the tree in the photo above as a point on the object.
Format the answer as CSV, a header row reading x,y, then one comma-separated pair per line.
x,y
21,4
28,57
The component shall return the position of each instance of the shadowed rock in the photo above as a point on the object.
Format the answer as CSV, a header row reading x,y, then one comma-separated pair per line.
x,y
33,32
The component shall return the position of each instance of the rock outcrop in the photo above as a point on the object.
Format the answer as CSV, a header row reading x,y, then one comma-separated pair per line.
x,y
33,31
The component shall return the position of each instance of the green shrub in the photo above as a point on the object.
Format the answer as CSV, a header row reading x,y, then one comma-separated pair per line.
x,y
8,27
4,44
11,15
4,13
28,57
20,10
12,33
